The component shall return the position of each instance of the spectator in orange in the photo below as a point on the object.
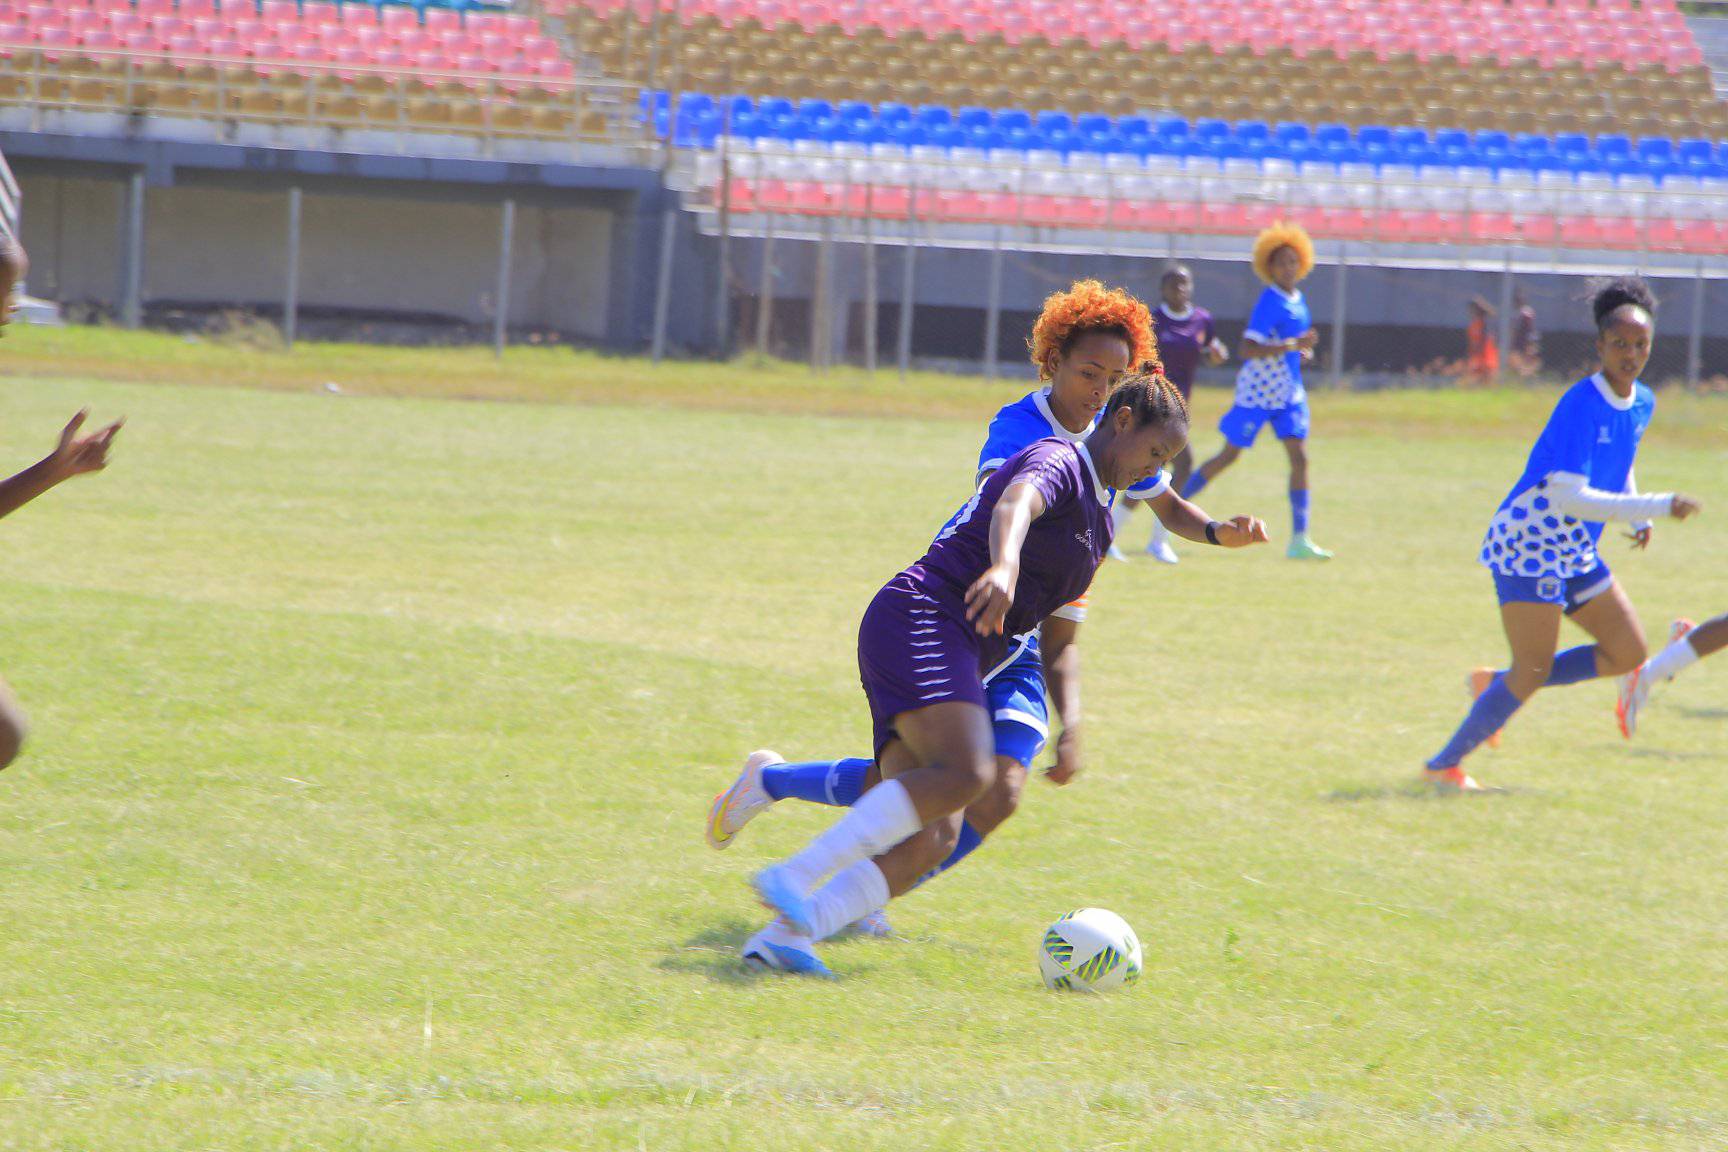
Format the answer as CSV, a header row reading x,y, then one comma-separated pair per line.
x,y
1482,354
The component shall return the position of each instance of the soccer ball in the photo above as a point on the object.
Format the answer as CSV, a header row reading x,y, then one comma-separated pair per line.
x,y
1089,950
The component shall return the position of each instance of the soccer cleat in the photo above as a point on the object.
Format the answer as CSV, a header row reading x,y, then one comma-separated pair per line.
x,y
1453,779
778,949
874,924
1634,691
1677,630
1477,683
1116,553
743,801
779,892
1159,549
1302,548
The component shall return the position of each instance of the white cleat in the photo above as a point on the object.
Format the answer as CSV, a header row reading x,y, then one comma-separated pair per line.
x,y
743,801
1116,553
874,924
777,948
1634,693
1159,549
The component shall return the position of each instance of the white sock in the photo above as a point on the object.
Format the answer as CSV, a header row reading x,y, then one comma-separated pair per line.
x,y
850,896
1119,513
882,818
1671,661
1160,534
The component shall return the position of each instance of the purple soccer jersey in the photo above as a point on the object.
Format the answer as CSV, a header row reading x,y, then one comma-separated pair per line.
x,y
1182,340
915,646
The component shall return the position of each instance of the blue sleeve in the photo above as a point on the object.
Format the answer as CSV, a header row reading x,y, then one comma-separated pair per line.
x,y
1270,316
1568,439
1007,435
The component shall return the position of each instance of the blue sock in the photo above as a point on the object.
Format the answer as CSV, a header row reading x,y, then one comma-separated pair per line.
x,y
1299,510
1194,484
835,782
1573,665
969,839
1487,716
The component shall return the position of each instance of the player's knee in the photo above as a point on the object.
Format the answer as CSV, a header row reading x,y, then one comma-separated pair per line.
x,y
943,836
1228,456
990,811
974,776
1624,657
1522,680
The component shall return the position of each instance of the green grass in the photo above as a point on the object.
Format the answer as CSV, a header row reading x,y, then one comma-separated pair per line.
x,y
373,738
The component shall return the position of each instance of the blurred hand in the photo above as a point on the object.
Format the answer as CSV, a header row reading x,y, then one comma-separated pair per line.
x,y
990,597
75,455
1683,506
1640,536
1308,340
1241,531
1067,764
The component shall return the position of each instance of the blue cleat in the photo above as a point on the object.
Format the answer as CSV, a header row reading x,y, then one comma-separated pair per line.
x,y
778,949
778,891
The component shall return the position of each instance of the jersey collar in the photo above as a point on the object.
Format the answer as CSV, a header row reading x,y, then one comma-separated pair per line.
x,y
1041,401
1615,401
1182,315
1098,488
1293,295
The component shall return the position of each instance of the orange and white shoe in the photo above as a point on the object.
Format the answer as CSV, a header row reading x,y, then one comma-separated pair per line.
x,y
1477,683
1453,779
743,801
1634,687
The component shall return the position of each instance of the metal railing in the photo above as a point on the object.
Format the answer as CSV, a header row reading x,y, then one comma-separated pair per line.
x,y
11,199
319,94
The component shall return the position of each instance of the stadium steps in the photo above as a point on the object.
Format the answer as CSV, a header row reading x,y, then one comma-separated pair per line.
x,y
1711,32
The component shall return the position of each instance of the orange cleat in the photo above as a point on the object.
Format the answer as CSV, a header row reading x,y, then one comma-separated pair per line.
x,y
1451,780
1477,683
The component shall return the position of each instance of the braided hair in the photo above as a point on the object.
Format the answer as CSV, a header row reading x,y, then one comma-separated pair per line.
x,y
1618,293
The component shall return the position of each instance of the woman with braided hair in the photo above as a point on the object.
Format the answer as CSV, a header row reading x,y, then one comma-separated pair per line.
x,y
1028,542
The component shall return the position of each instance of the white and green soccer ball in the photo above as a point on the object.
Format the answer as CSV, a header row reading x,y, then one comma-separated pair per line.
x,y
1089,950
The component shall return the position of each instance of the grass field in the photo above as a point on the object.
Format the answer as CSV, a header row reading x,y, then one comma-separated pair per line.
x,y
374,735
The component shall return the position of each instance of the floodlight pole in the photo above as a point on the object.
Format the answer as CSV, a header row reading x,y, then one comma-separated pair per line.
x,y
291,295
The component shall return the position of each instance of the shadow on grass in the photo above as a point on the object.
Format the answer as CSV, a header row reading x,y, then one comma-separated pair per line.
x,y
713,952
1692,713
1417,792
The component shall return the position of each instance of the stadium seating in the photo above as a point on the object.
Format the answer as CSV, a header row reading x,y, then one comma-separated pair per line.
x,y
1552,66
396,66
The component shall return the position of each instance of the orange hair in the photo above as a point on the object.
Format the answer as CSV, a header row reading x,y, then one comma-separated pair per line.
x,y
1088,306
1283,234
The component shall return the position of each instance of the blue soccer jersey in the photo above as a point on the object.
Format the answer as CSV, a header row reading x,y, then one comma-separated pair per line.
x,y
1028,420
1274,381
1593,433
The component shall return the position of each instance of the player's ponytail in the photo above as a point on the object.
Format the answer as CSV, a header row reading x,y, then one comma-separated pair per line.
x,y
1148,393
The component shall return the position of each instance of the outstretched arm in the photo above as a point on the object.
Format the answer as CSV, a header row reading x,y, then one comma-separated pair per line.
x,y
1573,495
991,595
70,458
1061,658
1188,521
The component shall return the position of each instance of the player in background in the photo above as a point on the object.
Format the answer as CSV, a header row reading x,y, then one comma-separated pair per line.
x,y
1542,543
1083,342
1186,335
1028,542
1688,643
1279,338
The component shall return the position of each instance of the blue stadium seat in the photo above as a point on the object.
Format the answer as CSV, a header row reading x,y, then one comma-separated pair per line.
x,y
1692,151
1252,130
1493,140
1570,143
855,112
1374,136
1170,127
891,114
1048,122
1447,138
1288,134
1133,127
974,118
933,115
1014,120
1407,140
1331,135
773,107
1211,129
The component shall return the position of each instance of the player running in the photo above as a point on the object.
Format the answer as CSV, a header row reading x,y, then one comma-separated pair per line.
x,y
1028,542
1084,340
1186,335
1279,339
1542,543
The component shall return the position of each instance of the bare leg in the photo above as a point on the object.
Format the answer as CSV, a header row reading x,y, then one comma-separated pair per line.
x,y
1613,624
1227,456
1709,637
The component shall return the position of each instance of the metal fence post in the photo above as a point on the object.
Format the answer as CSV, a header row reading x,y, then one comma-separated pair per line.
x,y
1504,336
993,309
765,290
506,241
663,286
291,301
871,303
1695,337
908,278
132,255
1340,315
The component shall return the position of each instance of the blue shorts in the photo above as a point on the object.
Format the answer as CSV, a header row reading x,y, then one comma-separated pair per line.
x,y
1570,593
1014,693
1241,425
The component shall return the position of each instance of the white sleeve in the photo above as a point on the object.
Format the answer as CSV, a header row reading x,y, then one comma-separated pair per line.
x,y
1573,495
1632,487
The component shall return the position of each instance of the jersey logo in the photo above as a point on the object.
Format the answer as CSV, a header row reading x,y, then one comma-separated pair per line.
x,y
1549,588
1602,436
1085,539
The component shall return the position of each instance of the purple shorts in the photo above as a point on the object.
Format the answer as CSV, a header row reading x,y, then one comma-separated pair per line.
x,y
914,651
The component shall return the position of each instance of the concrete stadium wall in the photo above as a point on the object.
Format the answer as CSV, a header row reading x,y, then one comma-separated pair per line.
x,y
219,243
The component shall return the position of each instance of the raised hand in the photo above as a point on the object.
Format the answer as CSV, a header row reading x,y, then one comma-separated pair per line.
x,y
74,455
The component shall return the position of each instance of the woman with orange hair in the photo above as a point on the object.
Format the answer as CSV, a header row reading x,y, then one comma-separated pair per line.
x,y
1280,337
1084,342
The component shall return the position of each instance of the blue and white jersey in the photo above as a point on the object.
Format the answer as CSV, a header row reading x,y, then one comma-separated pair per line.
x,y
1028,420
1593,433
1274,381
